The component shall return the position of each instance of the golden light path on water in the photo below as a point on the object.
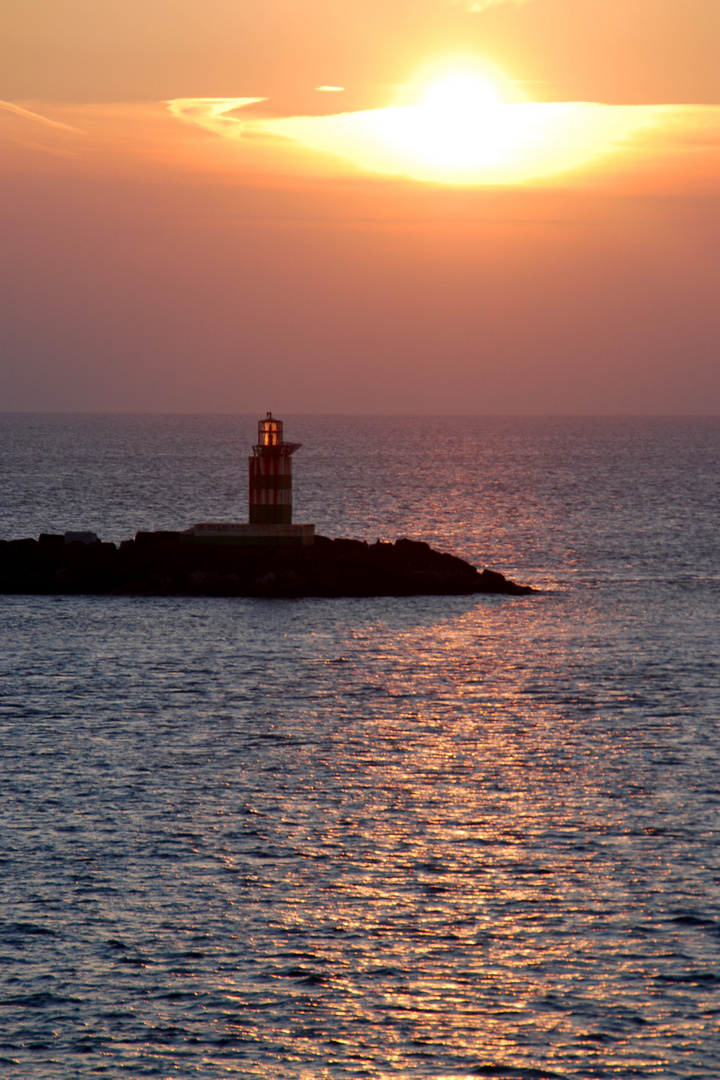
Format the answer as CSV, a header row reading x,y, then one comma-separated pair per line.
x,y
461,132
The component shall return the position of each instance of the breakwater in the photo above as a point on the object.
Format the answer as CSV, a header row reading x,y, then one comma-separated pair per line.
x,y
176,564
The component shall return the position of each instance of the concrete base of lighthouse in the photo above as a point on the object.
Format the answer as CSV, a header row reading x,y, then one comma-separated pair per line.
x,y
242,533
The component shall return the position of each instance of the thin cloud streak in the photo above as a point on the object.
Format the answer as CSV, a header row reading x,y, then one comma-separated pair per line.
x,y
53,151
26,114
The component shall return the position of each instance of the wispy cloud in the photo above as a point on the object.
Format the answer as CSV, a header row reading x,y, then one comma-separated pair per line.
x,y
211,113
26,114
514,143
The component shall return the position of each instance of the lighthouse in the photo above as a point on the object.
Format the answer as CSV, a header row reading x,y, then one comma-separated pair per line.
x,y
270,486
270,498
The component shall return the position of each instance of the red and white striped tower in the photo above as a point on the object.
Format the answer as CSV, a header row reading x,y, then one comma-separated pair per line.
x,y
271,475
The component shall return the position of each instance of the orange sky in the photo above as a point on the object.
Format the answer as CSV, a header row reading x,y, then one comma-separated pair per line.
x,y
303,252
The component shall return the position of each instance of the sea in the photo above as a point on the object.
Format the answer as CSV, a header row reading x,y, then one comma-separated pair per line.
x,y
331,839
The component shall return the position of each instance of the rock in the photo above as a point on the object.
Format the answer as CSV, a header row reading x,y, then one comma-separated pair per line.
x,y
171,563
80,537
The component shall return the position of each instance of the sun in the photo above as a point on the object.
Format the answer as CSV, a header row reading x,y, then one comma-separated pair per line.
x,y
462,94
458,124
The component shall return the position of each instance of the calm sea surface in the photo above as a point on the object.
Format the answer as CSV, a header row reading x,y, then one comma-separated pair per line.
x,y
427,837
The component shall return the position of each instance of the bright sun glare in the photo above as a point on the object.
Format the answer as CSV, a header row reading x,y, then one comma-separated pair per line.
x,y
459,124
462,127
462,94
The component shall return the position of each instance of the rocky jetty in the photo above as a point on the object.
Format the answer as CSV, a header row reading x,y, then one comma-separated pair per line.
x,y
174,564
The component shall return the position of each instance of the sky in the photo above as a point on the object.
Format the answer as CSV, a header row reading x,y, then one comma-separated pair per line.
x,y
360,206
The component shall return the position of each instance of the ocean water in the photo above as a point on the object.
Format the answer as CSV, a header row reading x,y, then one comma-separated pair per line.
x,y
428,837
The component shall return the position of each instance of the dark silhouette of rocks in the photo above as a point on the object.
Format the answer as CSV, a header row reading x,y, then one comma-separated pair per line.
x,y
173,564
